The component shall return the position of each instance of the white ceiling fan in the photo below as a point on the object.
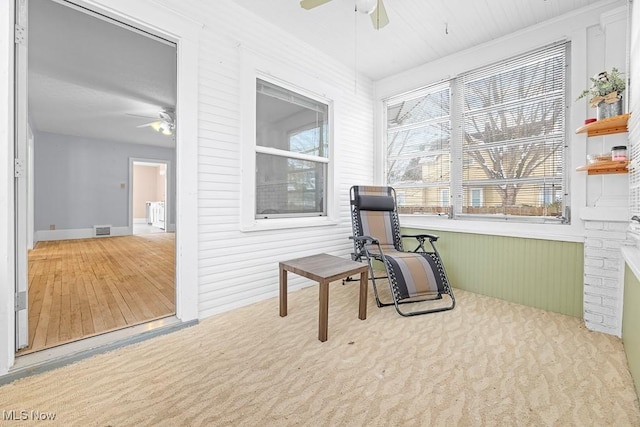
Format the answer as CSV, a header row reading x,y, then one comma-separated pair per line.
x,y
374,8
166,125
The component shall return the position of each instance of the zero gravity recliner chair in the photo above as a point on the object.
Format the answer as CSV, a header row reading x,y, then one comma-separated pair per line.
x,y
414,277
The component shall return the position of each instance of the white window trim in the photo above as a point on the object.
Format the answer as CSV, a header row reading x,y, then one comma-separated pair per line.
x,y
507,228
254,67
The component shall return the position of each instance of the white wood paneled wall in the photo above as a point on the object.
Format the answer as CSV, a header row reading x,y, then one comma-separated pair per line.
x,y
238,268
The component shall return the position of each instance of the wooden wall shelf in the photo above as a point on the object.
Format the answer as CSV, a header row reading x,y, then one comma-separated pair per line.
x,y
605,167
616,124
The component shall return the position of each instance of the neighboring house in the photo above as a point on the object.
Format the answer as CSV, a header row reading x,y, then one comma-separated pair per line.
x,y
543,200
230,239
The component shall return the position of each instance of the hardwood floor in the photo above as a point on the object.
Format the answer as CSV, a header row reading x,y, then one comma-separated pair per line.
x,y
81,288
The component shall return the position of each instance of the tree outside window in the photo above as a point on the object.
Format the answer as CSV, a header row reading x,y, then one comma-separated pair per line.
x,y
508,140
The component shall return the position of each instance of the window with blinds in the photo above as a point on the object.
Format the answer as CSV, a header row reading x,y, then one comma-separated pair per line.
x,y
513,140
492,140
634,168
633,99
419,150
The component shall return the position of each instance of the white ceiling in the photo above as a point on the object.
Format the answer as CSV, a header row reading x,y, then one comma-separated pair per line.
x,y
89,78
419,31
92,78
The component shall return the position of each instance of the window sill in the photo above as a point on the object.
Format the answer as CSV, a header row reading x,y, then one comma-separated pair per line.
x,y
631,255
285,223
559,232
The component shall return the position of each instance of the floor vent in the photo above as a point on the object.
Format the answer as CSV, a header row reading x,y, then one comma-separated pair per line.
x,y
101,230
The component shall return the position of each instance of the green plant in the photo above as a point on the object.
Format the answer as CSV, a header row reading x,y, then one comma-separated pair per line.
x,y
607,87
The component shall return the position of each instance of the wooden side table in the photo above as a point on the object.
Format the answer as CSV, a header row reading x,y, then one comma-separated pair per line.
x,y
324,269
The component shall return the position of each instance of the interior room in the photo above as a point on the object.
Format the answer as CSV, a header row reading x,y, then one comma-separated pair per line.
x,y
236,141
93,105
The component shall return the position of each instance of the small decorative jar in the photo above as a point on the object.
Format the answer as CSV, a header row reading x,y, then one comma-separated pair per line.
x,y
619,153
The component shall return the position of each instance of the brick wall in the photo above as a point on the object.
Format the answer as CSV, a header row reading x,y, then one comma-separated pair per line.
x,y
603,275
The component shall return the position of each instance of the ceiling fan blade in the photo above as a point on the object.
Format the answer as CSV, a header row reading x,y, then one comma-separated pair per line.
x,y
310,4
138,115
379,16
167,116
156,123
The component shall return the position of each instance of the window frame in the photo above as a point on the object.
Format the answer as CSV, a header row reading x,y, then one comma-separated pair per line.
x,y
316,159
433,188
256,67
457,189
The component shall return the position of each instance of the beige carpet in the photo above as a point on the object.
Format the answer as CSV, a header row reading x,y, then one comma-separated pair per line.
x,y
487,362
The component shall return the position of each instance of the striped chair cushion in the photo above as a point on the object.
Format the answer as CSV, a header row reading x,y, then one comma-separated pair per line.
x,y
376,223
414,274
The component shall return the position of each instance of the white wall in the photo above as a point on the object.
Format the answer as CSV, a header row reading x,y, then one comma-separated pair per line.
x,y
607,48
235,267
597,36
148,186
79,181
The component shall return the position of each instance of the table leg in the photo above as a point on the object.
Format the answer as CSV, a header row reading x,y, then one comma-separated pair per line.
x,y
364,286
323,318
283,292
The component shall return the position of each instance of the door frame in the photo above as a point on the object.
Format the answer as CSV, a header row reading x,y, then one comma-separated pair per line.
x,y
164,22
21,174
169,226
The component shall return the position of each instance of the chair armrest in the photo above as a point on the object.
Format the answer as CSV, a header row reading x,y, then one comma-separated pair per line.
x,y
431,237
364,239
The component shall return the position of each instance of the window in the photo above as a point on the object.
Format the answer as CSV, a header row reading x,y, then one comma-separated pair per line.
x,y
475,197
418,150
445,200
292,153
493,137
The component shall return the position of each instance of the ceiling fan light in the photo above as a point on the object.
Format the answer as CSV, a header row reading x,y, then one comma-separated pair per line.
x,y
366,6
156,126
166,128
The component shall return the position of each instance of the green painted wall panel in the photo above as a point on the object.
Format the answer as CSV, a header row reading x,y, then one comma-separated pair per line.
x,y
631,325
539,273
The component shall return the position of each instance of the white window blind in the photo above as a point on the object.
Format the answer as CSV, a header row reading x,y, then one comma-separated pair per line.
x,y
419,149
493,140
633,97
634,168
513,139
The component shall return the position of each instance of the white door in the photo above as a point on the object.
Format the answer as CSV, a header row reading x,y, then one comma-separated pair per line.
x,y
21,175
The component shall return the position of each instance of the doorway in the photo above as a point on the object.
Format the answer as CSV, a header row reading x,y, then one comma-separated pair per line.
x,y
87,273
149,197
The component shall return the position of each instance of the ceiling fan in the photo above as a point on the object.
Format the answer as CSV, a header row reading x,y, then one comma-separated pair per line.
x,y
374,8
166,125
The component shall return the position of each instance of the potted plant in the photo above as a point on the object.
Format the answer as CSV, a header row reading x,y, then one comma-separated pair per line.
x,y
606,93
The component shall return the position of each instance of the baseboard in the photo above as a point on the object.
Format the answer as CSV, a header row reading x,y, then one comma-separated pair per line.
x,y
139,220
77,233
